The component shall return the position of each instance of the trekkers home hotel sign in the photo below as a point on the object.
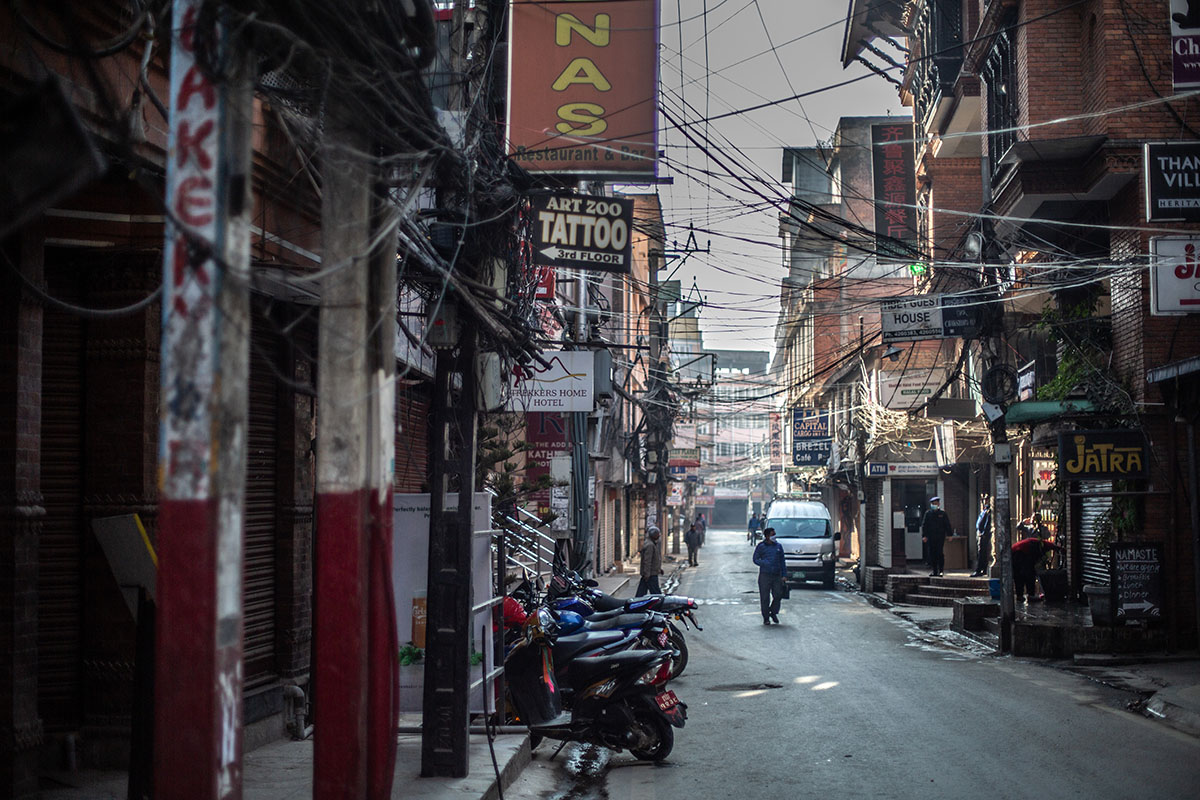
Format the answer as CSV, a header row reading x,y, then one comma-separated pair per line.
x,y
1102,455
583,78
1172,181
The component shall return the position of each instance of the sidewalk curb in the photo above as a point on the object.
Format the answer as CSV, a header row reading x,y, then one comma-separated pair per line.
x,y
1161,708
509,772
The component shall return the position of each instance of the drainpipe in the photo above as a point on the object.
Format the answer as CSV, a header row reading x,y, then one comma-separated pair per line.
x,y
295,720
1193,487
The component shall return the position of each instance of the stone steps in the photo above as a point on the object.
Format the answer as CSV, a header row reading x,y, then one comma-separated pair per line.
x,y
961,583
929,600
953,591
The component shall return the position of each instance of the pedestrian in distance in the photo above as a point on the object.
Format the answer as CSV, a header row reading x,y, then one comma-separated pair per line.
x,y
753,527
935,527
983,534
651,563
692,540
1026,554
701,528
772,574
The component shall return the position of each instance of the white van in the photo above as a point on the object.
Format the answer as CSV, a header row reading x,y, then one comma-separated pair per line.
x,y
805,530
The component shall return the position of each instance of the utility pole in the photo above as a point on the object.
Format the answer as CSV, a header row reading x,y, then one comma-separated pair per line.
x,y
205,365
1002,456
580,477
348,448
202,431
994,409
444,708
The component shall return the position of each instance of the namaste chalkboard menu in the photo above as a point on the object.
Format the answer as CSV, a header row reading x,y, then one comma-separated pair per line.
x,y
1137,579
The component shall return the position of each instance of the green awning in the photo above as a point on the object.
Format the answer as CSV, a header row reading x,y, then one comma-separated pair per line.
x,y
1031,412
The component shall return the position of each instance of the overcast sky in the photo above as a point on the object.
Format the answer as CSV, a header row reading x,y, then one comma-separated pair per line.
x,y
740,278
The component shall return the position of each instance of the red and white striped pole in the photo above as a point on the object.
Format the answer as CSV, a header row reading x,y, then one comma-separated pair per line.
x,y
202,431
356,648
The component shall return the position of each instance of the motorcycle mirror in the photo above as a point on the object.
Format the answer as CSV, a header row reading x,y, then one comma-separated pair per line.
x,y
590,582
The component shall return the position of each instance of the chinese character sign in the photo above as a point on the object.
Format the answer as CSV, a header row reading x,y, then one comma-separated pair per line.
x,y
776,442
892,160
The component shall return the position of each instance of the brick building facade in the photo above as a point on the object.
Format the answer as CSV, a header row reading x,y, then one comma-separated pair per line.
x,y
1032,116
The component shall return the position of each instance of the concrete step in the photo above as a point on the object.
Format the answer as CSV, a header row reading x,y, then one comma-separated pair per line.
x,y
961,583
992,625
929,600
953,591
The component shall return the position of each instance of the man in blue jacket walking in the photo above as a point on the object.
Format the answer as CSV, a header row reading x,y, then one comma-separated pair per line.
x,y
772,571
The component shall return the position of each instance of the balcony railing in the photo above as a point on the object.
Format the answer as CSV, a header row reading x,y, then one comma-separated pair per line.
x,y
938,31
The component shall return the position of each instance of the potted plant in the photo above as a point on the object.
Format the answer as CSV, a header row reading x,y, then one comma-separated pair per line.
x,y
1100,603
412,678
1055,584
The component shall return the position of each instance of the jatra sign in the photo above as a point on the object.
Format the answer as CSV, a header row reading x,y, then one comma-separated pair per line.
x,y
1102,455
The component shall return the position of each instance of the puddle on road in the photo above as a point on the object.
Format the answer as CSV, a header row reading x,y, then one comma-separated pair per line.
x,y
585,765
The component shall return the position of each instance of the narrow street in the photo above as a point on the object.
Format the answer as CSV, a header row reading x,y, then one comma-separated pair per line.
x,y
843,699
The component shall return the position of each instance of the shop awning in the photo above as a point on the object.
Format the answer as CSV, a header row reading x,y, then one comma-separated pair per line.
x,y
1031,412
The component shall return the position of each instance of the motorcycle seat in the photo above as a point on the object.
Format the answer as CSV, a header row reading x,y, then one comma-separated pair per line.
x,y
605,603
620,621
566,647
589,669
610,614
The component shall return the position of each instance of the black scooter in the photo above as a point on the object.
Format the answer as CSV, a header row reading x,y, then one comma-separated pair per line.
x,y
569,591
616,698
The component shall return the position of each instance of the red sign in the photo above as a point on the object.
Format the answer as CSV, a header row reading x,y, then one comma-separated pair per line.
x,y
892,160
547,434
583,80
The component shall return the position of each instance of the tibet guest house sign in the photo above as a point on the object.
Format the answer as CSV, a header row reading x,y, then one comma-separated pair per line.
x,y
583,80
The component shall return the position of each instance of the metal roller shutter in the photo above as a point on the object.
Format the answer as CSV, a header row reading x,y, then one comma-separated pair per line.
x,y
60,582
260,525
1095,570
412,438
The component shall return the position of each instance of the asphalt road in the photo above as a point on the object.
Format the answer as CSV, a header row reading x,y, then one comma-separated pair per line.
x,y
843,699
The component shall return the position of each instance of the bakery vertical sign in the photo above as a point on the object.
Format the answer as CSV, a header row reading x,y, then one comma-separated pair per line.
x,y
583,82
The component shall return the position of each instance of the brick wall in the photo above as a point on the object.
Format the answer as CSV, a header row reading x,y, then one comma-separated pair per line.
x,y
1048,80
955,184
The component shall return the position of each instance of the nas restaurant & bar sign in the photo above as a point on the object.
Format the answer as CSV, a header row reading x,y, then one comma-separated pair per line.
x,y
583,87
1102,455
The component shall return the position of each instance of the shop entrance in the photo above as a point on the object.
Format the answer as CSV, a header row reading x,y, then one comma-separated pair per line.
x,y
910,498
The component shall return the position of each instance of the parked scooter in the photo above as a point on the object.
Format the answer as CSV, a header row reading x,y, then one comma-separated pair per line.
x,y
617,700
568,591
576,637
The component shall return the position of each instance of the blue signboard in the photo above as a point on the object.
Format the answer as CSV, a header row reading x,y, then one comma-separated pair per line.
x,y
812,444
877,469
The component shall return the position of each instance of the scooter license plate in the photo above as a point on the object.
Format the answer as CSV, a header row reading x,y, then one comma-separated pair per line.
x,y
662,638
666,700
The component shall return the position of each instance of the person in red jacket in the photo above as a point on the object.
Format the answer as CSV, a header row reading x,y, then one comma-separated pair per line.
x,y
1025,557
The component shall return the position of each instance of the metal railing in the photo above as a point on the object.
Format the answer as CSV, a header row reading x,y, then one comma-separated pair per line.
x,y
526,546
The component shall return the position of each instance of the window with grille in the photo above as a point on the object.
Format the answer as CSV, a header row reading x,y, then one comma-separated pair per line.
x,y
1000,76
